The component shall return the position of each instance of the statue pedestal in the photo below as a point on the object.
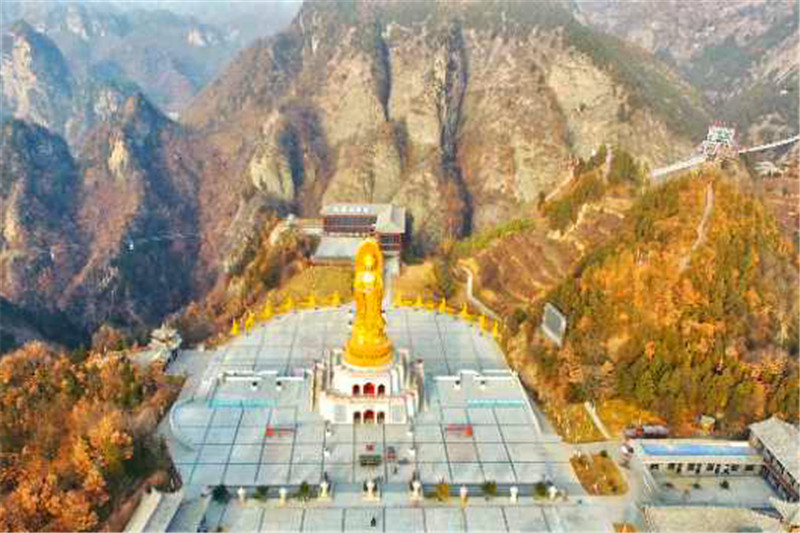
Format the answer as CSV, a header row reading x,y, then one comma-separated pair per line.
x,y
385,395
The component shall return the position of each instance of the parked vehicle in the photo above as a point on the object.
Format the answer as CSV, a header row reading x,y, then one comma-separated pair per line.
x,y
647,431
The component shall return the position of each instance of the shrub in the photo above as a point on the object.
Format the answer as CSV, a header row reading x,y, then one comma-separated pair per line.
x,y
443,491
483,240
540,489
604,454
725,484
220,494
624,168
517,318
576,393
489,489
564,211
304,493
443,272
261,492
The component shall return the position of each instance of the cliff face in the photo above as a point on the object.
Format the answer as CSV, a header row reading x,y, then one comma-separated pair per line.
x,y
39,86
37,83
464,113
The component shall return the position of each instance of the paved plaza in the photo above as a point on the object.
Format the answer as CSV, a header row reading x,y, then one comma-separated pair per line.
x,y
477,516
257,426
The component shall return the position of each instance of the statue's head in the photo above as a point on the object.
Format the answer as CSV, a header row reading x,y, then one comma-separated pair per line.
x,y
369,261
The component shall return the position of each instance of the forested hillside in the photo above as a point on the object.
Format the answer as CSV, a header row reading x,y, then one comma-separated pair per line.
x,y
76,436
683,316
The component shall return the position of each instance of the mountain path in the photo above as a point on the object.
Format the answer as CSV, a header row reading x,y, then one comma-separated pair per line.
x,y
702,228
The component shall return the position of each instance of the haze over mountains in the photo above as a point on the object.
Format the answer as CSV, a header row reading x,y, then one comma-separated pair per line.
x,y
742,55
466,113
81,59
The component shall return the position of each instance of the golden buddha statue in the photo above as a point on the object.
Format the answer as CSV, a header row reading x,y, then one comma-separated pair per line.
x,y
369,345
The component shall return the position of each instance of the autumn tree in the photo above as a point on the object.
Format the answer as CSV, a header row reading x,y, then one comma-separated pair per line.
x,y
68,451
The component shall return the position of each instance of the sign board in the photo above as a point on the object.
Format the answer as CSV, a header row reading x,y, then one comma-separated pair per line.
x,y
554,324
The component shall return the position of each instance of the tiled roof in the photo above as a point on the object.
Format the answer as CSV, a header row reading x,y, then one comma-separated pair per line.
x,y
782,440
337,248
389,218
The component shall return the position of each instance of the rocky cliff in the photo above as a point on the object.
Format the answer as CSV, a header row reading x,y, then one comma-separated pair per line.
x,y
464,113
39,86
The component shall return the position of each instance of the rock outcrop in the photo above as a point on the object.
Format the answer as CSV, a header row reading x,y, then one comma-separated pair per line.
x,y
464,113
39,86
37,83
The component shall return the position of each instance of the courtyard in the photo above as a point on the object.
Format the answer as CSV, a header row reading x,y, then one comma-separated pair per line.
x,y
747,491
249,422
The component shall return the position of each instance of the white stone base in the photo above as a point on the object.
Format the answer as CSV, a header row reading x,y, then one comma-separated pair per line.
x,y
353,395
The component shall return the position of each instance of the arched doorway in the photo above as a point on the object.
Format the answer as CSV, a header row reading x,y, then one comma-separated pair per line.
x,y
381,390
369,416
369,389
381,416
356,390
357,417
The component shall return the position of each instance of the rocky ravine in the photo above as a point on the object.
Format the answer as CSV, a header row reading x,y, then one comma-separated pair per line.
x,y
462,112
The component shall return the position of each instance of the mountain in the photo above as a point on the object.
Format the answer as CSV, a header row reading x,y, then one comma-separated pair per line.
x,y
242,22
37,82
39,85
168,55
742,54
465,113
39,244
462,112
40,194
125,233
681,301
